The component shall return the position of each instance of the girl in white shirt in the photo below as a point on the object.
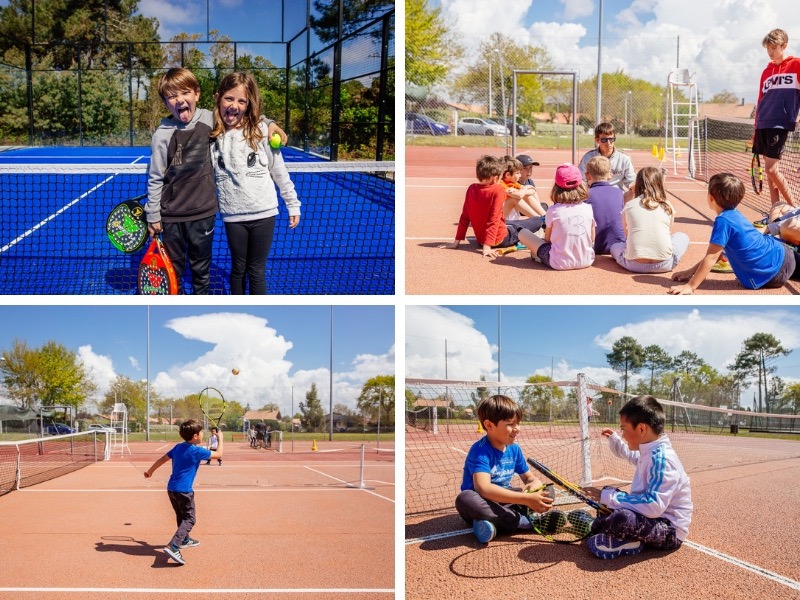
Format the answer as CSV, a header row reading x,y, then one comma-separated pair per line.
x,y
246,170
651,246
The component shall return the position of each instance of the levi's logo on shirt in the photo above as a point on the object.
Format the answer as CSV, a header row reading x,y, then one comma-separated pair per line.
x,y
786,80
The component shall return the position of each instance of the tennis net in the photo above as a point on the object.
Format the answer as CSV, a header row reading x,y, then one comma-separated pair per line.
x,y
725,145
28,462
53,238
564,433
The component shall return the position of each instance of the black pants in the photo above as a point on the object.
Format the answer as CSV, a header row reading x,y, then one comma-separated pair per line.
x,y
630,526
183,505
249,242
192,239
473,507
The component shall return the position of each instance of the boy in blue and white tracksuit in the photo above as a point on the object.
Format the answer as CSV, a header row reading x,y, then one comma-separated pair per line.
x,y
658,509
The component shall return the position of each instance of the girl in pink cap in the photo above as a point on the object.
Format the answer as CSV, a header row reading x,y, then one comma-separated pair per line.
x,y
569,235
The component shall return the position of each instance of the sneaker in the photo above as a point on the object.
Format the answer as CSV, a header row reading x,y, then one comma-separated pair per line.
x,y
581,521
189,543
722,266
174,554
484,531
552,521
604,546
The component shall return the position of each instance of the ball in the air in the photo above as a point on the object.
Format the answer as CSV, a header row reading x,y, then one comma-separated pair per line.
x,y
235,371
275,141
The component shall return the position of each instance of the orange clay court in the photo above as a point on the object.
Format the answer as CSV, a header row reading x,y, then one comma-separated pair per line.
x,y
270,525
436,180
741,545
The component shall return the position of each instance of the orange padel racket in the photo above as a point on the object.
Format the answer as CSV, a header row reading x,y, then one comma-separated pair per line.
x,y
156,274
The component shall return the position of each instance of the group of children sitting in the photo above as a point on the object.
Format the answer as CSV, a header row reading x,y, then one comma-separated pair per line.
x,y
590,216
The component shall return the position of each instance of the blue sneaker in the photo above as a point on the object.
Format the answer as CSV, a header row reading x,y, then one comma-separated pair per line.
x,y
604,546
484,531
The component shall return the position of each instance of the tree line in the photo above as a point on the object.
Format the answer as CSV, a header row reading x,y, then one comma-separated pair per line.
x,y
435,59
54,375
87,70
753,366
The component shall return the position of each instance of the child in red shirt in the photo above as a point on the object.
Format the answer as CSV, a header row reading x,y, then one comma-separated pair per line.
x,y
483,209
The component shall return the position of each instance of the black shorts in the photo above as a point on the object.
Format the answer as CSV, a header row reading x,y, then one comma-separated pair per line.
x,y
787,270
770,142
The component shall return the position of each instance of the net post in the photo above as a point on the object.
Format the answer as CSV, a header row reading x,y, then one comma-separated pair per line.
x,y
361,484
19,468
583,418
280,441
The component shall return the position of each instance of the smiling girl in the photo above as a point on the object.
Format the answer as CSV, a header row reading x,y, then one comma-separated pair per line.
x,y
245,167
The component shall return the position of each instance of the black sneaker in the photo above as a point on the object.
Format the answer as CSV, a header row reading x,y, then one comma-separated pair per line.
x,y
189,543
550,522
174,554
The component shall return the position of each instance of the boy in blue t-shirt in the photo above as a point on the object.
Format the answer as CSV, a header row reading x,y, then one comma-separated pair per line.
x,y
758,261
487,501
186,458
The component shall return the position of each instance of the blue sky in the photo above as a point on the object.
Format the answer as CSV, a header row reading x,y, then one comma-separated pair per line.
x,y
246,21
720,40
275,347
573,339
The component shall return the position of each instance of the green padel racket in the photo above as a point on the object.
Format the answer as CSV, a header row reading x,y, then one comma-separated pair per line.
x,y
126,225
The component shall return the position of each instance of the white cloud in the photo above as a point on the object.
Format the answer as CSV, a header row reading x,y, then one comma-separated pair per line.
x,y
99,368
577,8
248,343
469,353
174,17
719,41
134,363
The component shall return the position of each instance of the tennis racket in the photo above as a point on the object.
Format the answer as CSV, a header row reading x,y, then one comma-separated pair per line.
x,y
756,174
508,249
126,226
569,487
559,526
156,274
213,405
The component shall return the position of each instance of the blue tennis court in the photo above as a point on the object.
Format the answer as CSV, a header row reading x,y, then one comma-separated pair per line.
x,y
55,200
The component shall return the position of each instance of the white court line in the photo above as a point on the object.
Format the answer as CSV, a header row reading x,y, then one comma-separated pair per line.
x,y
171,591
755,569
350,486
198,490
60,211
63,209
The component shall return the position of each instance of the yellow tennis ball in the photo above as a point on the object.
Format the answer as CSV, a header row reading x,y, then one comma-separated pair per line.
x,y
275,141
235,371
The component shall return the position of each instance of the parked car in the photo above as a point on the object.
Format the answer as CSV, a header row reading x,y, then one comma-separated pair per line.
x,y
522,129
416,124
477,126
58,429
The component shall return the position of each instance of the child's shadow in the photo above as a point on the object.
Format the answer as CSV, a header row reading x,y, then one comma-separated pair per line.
x,y
127,545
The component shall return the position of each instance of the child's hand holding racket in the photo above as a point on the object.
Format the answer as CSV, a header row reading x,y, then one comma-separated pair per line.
x,y
541,498
607,432
592,492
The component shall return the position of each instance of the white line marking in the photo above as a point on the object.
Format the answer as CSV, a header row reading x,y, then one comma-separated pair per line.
x,y
171,591
755,569
63,209
791,583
